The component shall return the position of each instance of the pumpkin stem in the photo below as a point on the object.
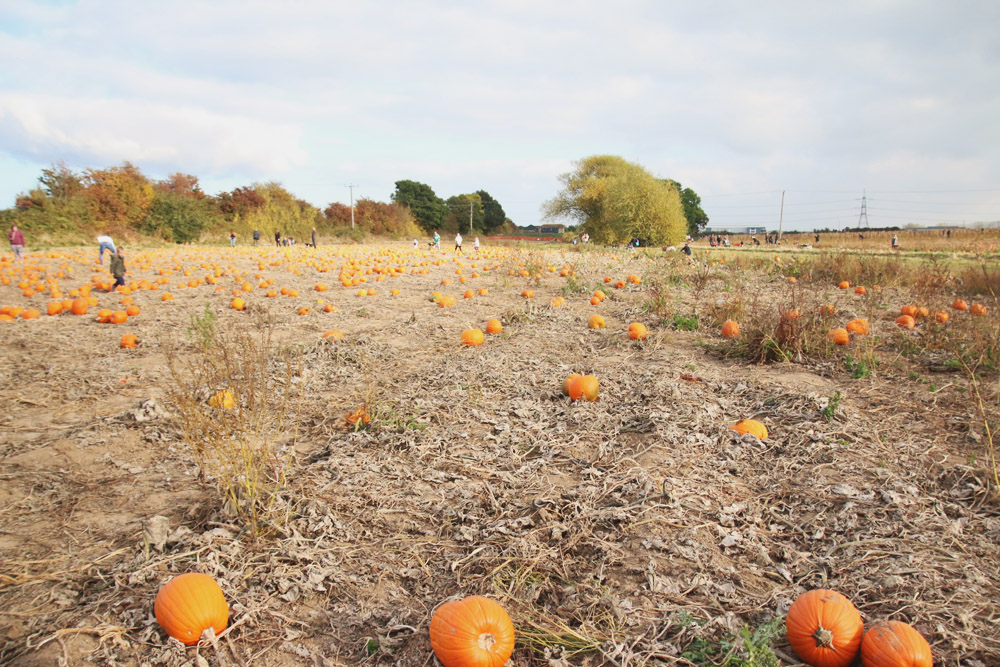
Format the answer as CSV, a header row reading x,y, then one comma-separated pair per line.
x,y
823,637
486,641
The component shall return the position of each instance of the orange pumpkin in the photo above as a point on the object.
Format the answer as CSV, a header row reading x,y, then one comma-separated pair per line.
x,y
595,322
118,317
637,331
860,289
824,628
858,326
132,310
474,631
54,307
494,326
473,337
129,340
908,310
978,309
238,304
104,315
750,426
844,285
905,322
189,604
30,314
959,304
333,335
941,317
528,294
895,644
730,329
839,336
79,306
828,309
582,386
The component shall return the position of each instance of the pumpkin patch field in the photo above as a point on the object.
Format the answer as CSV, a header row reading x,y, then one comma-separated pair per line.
x,y
567,456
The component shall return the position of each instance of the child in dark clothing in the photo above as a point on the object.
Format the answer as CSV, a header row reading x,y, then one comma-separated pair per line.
x,y
118,267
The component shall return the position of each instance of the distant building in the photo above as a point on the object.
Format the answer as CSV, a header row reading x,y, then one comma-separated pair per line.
x,y
548,230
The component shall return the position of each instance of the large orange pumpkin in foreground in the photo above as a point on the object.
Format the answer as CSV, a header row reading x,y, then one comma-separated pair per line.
x,y
189,604
473,632
895,644
824,628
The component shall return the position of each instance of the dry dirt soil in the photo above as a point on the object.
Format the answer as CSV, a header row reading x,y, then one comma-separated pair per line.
x,y
633,530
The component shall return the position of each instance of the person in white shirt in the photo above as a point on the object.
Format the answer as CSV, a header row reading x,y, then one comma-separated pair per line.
x,y
458,242
475,244
105,244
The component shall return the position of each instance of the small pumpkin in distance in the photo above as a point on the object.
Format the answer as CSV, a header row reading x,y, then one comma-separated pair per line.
x,y
908,310
583,386
844,284
828,309
472,337
857,326
238,304
960,304
637,331
595,322
905,322
753,426
824,628
895,644
223,399
978,309
475,631
941,317
494,326
839,336
730,329
189,604
129,341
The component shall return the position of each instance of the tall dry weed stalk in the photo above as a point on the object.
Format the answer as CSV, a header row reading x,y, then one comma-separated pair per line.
x,y
244,450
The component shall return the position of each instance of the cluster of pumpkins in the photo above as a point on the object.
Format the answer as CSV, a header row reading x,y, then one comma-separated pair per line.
x,y
823,628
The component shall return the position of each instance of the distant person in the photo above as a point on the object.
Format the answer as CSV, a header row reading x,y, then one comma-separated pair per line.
x,y
416,244
949,233
475,244
118,268
437,240
458,242
277,238
256,236
725,241
895,241
817,238
105,244
314,237
586,237
232,239
16,238
686,249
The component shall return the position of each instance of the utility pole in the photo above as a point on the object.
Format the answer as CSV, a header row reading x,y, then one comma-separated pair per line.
x,y
864,209
352,203
781,215
470,217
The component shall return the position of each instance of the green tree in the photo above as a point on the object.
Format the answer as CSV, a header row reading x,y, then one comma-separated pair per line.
x,y
177,217
696,218
616,200
429,209
459,209
493,214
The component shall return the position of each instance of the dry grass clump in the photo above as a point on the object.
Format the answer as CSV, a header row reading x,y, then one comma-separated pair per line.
x,y
236,401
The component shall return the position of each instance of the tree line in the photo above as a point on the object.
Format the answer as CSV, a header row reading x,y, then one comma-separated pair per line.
x,y
71,206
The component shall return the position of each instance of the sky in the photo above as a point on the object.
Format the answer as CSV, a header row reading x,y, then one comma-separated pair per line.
x,y
890,104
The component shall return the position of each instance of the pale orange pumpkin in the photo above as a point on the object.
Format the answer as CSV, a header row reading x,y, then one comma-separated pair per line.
x,y
238,304
188,605
730,329
472,632
494,326
595,322
858,326
905,322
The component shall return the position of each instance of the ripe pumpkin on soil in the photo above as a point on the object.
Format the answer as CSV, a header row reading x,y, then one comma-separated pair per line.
x,y
730,329
637,331
753,426
582,386
824,628
595,322
473,337
905,322
858,326
494,326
